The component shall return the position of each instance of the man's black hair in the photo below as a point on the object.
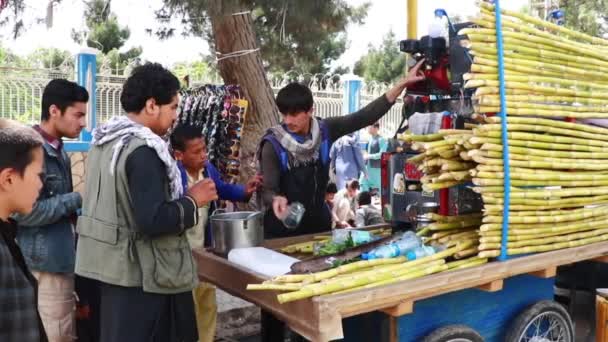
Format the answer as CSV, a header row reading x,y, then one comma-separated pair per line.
x,y
61,93
184,133
377,125
353,184
294,98
331,188
148,81
365,198
16,145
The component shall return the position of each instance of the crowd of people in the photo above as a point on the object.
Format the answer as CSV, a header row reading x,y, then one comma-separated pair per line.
x,y
117,258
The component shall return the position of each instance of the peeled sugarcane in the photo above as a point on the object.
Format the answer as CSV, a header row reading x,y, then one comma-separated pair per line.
x,y
565,217
545,240
455,225
380,276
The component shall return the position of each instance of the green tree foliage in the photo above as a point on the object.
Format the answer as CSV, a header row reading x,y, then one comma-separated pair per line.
x,y
588,16
48,58
383,64
106,34
305,36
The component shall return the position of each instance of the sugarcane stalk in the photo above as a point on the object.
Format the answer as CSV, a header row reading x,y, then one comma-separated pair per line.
x,y
559,238
440,185
555,246
534,164
537,88
466,253
530,157
492,102
564,217
454,225
274,287
542,112
548,25
443,218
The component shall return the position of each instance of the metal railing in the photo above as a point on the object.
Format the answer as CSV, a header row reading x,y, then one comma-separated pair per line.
x,y
21,93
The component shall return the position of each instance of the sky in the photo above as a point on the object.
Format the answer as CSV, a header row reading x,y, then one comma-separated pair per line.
x,y
383,16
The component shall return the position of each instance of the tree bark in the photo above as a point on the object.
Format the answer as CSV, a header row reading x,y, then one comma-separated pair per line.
x,y
236,33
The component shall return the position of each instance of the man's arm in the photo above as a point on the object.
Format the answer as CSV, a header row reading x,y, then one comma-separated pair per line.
x,y
271,170
342,125
226,191
50,210
155,215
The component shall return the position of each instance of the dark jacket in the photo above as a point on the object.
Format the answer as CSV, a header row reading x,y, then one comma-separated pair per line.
x,y
19,320
46,235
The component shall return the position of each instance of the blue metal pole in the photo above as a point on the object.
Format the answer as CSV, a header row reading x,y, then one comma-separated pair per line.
x,y
351,98
504,137
86,74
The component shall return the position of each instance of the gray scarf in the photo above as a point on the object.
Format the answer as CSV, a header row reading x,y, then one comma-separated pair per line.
x,y
299,153
123,129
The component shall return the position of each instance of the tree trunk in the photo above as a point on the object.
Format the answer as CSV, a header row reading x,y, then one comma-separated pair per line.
x,y
236,33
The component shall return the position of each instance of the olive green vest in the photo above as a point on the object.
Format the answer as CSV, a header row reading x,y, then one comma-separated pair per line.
x,y
111,249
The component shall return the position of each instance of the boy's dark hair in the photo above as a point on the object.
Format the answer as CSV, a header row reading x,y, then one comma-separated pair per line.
x,y
377,125
353,184
148,81
184,133
365,198
61,93
294,98
331,188
16,145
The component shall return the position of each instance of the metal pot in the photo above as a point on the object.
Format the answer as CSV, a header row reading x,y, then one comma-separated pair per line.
x,y
236,230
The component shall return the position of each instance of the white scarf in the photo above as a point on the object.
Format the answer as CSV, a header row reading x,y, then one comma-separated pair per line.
x,y
123,128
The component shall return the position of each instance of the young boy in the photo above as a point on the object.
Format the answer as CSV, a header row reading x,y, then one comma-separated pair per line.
x,y
21,161
366,214
190,151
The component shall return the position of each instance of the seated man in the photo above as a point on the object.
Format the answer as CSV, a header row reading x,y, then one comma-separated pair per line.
x,y
366,214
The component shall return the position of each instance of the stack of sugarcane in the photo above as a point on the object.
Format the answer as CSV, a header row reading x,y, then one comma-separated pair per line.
x,y
559,184
365,274
550,71
450,231
441,157
558,170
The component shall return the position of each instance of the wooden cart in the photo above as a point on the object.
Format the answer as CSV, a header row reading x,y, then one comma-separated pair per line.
x,y
486,297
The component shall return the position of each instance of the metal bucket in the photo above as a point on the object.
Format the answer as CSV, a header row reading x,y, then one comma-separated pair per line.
x,y
236,230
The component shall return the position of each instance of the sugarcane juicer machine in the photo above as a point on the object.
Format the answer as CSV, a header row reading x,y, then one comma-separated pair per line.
x,y
403,199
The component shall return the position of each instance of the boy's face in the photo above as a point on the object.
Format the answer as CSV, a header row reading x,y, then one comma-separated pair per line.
x,y
70,123
23,190
194,156
329,196
298,123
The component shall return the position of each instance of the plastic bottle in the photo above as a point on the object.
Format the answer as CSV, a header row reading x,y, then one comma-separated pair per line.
x,y
407,242
420,252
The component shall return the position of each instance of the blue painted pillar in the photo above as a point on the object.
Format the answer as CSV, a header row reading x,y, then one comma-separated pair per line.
x,y
352,90
86,74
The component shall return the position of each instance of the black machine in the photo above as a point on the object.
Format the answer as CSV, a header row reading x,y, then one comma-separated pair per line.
x,y
445,65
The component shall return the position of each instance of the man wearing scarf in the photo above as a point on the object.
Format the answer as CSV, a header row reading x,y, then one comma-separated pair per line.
x,y
294,155
135,214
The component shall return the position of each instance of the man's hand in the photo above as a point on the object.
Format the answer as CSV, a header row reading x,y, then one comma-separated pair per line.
x,y
413,76
203,192
279,206
253,185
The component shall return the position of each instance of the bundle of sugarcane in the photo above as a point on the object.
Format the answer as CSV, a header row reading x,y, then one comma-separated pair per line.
x,y
559,184
441,157
366,274
550,70
452,230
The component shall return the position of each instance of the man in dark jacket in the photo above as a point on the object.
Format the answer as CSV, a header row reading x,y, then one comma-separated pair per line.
x,y
294,156
46,235
21,161
294,159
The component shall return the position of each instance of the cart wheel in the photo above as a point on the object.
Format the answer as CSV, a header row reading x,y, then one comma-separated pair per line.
x,y
544,321
454,333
